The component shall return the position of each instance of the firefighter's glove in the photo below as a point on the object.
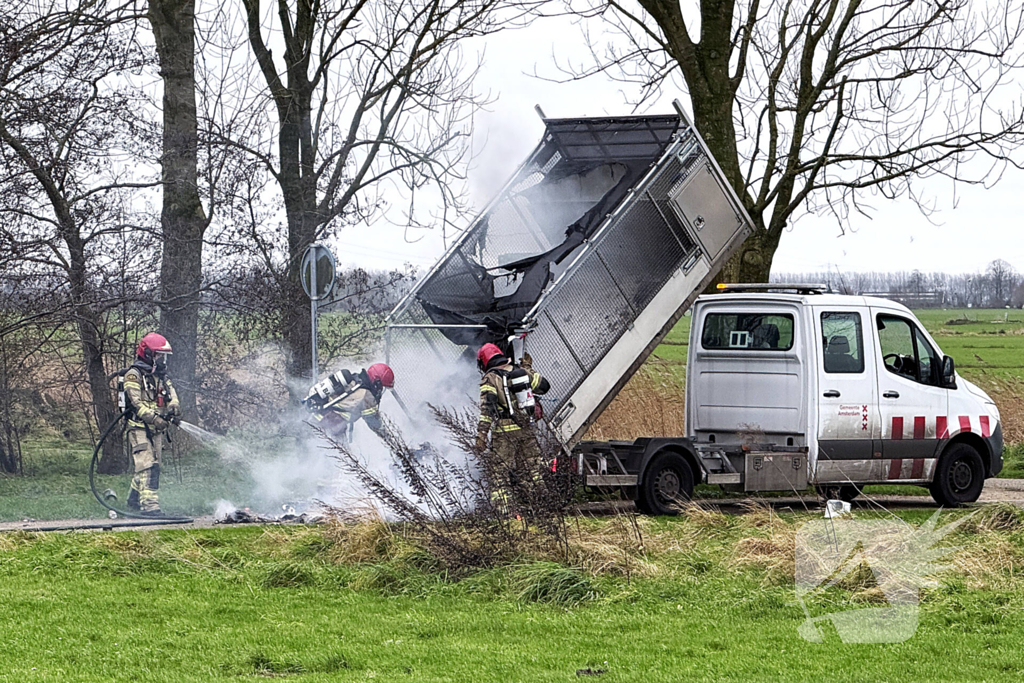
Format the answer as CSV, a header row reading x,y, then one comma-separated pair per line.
x,y
174,408
526,362
159,424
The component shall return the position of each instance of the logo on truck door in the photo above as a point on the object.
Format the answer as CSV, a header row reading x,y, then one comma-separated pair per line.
x,y
858,412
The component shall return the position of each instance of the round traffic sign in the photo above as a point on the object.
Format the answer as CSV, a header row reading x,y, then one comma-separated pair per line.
x,y
316,271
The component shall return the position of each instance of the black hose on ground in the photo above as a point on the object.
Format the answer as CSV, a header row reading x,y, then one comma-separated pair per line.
x,y
92,479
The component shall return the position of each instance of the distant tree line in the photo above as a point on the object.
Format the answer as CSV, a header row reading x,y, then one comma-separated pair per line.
x,y
998,286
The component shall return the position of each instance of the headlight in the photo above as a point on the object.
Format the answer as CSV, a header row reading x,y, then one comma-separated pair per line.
x,y
993,409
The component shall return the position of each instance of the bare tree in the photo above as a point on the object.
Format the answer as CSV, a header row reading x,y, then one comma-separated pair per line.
x,y
367,97
1017,301
1003,279
183,218
65,128
817,105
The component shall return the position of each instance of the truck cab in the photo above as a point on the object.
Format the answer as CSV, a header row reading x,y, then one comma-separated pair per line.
x,y
796,387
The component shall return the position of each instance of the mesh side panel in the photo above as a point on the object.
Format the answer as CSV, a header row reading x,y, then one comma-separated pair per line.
x,y
430,369
590,312
668,178
555,362
642,253
668,212
455,276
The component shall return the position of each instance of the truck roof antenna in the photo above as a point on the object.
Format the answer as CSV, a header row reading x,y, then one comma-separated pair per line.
x,y
540,112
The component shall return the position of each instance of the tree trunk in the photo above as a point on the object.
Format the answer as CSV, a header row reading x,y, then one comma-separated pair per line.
x,y
182,219
299,190
112,458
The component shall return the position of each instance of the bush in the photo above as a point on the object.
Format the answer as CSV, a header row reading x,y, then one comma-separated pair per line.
x,y
452,510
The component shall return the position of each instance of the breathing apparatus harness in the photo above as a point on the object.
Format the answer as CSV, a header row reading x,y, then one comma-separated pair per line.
x,y
520,405
338,386
128,413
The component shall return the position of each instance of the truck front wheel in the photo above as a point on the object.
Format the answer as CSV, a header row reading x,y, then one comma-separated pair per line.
x,y
667,484
959,476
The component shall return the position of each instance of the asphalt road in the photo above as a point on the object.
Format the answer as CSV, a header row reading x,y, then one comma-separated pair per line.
x,y
996,491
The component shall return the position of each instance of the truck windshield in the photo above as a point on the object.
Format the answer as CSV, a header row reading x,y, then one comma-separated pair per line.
x,y
748,331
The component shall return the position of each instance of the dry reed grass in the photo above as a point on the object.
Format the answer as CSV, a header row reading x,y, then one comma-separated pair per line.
x,y
361,540
651,404
990,560
1011,410
619,547
774,553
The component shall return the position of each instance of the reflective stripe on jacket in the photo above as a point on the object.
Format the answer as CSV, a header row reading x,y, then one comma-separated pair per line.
x,y
143,390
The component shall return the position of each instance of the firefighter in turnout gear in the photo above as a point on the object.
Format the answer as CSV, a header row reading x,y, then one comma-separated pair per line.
x,y
344,398
153,406
507,408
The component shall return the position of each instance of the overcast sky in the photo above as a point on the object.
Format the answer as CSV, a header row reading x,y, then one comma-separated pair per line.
x,y
971,226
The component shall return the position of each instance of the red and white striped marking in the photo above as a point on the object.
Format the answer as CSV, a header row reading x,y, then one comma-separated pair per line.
x,y
920,427
906,468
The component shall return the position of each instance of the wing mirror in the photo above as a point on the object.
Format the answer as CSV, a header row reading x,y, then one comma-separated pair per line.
x,y
948,373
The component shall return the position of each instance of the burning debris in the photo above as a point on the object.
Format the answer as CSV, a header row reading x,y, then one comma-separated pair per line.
x,y
227,513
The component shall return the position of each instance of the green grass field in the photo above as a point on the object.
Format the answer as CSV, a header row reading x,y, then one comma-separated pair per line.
x,y
716,602
704,597
56,484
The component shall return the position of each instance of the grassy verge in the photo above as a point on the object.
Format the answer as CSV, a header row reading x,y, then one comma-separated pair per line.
x,y
711,597
57,485
1013,462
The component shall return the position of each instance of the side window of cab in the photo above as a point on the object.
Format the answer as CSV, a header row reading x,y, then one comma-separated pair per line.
x,y
842,342
906,351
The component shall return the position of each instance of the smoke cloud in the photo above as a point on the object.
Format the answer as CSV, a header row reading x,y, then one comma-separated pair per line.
x,y
299,472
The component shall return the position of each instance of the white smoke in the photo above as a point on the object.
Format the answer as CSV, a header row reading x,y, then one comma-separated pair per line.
x,y
299,472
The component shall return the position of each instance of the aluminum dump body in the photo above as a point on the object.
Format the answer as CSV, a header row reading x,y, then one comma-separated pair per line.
x,y
590,254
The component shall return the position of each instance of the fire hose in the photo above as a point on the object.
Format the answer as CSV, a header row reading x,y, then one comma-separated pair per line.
x,y
102,500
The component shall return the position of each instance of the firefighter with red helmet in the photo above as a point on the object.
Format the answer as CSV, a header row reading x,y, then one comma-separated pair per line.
x,y
507,408
344,398
153,406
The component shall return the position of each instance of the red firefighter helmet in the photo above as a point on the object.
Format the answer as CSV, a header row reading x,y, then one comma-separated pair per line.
x,y
152,344
380,372
486,354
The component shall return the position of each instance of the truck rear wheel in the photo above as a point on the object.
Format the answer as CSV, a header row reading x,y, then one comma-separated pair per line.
x,y
667,484
959,476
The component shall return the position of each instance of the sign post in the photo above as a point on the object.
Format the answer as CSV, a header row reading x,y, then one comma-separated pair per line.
x,y
316,271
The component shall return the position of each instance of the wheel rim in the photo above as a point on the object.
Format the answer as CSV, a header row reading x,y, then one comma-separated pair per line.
x,y
667,486
961,476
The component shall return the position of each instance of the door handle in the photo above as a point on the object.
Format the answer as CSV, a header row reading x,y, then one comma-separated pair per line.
x,y
891,394
831,393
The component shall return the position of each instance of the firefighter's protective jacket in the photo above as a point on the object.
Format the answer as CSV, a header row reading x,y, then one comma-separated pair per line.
x,y
358,403
149,396
498,408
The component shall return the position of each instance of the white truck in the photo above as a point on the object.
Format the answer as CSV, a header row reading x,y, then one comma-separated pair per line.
x,y
788,386
591,254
